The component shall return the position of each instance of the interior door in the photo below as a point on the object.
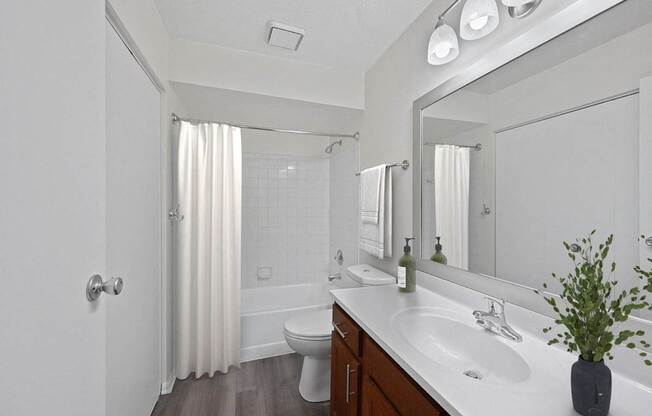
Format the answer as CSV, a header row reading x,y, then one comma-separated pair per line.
x,y
133,242
52,148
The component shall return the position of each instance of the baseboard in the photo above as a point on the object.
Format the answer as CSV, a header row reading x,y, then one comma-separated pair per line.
x,y
168,385
258,352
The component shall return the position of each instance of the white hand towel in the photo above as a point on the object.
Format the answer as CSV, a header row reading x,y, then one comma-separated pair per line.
x,y
372,181
376,239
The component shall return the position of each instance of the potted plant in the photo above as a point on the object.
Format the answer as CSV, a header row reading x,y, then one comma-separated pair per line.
x,y
589,310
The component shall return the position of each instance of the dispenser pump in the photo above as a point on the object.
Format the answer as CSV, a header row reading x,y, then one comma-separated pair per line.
x,y
438,245
407,247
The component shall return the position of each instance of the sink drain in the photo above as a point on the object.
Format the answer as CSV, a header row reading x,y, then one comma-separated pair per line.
x,y
473,374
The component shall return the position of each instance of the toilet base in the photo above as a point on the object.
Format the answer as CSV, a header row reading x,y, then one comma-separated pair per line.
x,y
315,379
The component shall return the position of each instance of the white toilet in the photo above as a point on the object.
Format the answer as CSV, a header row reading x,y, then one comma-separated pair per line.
x,y
310,334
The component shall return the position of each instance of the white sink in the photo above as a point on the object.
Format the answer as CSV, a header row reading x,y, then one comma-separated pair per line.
x,y
454,342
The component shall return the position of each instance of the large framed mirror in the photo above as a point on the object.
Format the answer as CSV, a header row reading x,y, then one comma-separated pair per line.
x,y
544,149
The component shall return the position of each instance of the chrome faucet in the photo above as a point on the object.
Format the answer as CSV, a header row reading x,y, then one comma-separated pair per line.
x,y
495,321
332,277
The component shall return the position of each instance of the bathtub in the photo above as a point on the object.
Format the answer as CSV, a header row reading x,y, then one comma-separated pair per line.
x,y
264,311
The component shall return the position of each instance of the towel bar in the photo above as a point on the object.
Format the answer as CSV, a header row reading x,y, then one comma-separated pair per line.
x,y
404,164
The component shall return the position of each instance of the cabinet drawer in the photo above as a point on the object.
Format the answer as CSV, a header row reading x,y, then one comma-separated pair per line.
x,y
399,388
347,329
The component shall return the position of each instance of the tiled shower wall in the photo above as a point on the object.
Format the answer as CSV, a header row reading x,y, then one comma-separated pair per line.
x,y
285,221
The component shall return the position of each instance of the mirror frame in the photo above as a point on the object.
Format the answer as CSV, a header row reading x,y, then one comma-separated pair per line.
x,y
559,24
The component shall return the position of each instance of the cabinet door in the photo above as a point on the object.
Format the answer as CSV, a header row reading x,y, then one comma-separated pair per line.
x,y
398,387
345,376
374,402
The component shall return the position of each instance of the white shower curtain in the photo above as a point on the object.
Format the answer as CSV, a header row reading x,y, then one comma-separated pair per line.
x,y
207,296
452,202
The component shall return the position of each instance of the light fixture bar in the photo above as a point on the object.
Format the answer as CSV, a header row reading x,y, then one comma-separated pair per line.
x,y
449,8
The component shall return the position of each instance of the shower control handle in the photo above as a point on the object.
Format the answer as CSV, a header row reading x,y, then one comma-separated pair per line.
x,y
96,286
648,241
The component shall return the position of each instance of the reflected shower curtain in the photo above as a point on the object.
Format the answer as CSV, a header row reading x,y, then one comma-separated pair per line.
x,y
207,295
452,202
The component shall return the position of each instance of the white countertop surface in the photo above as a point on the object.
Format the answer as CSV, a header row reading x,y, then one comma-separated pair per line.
x,y
546,392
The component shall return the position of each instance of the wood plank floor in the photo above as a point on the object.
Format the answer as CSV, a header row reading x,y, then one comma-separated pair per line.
x,y
266,387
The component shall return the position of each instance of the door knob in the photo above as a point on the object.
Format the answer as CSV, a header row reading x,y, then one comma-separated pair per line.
x,y
96,286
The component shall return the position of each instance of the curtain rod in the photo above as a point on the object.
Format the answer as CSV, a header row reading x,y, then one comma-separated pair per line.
x,y
476,147
570,110
356,135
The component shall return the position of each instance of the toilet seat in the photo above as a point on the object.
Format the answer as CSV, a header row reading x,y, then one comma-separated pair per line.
x,y
312,326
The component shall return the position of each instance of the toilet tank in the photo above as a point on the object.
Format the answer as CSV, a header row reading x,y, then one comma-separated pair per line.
x,y
364,275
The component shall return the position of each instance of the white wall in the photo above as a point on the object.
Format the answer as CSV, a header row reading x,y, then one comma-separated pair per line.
x,y
343,210
52,98
142,19
265,110
218,67
402,75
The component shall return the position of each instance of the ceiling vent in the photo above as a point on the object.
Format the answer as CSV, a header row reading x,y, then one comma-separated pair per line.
x,y
284,36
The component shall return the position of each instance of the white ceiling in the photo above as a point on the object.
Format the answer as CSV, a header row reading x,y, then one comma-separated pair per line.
x,y
343,34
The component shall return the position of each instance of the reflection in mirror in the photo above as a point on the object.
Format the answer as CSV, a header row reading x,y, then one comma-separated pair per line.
x,y
544,150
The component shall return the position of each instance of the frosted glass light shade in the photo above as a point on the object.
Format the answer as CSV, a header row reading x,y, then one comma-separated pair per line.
x,y
443,46
515,3
479,18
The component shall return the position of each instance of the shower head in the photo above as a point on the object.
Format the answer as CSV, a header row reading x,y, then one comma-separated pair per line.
x,y
329,148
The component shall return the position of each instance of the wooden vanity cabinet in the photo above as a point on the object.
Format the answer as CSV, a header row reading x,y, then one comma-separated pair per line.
x,y
345,377
366,381
375,403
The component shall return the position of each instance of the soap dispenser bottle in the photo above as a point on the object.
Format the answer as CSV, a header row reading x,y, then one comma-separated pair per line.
x,y
438,257
407,276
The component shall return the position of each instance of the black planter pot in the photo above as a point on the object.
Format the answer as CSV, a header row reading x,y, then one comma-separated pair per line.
x,y
591,388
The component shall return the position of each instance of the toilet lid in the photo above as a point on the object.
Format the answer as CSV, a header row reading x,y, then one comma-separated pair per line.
x,y
317,324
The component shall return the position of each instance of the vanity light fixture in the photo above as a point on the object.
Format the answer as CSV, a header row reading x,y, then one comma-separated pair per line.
x,y
443,46
519,9
515,3
479,18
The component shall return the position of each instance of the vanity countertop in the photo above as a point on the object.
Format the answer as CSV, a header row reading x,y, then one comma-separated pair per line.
x,y
545,392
